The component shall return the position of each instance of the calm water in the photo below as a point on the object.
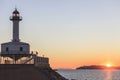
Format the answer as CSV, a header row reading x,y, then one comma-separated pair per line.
x,y
90,74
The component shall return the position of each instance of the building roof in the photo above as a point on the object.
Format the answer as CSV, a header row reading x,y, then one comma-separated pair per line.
x,y
15,43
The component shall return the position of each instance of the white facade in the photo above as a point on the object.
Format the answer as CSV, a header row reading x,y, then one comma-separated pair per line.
x,y
15,48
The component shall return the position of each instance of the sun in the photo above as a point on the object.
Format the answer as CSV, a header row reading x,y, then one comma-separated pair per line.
x,y
108,65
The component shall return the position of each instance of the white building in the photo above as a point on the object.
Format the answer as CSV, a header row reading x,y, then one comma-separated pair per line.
x,y
15,46
13,52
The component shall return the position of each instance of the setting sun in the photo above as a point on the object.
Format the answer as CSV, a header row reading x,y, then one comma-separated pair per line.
x,y
108,65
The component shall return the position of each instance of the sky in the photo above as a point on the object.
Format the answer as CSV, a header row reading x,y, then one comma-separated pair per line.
x,y
71,33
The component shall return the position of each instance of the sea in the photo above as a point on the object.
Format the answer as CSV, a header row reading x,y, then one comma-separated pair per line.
x,y
88,74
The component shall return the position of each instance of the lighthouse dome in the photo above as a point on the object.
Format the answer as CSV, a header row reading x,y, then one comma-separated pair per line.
x,y
15,11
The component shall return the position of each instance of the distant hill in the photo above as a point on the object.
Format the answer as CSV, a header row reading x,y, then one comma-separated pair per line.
x,y
97,67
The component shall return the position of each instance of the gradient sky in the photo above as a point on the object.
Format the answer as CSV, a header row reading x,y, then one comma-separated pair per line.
x,y
70,32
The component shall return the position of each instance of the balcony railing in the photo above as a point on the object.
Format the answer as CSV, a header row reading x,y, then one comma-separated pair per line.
x,y
15,18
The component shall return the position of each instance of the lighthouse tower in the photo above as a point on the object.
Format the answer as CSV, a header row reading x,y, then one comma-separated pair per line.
x,y
15,49
15,18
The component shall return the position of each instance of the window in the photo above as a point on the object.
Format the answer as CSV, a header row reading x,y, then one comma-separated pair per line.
x,y
7,49
21,48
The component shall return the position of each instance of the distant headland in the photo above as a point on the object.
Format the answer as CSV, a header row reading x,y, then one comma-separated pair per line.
x,y
97,67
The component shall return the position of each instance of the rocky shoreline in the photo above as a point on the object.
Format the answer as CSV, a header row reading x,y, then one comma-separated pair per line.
x,y
27,72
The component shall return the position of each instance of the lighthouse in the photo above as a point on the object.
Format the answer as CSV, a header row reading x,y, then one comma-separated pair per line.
x,y
15,49
18,63
17,52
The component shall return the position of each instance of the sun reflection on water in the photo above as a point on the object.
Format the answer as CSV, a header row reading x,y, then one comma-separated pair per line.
x,y
108,74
